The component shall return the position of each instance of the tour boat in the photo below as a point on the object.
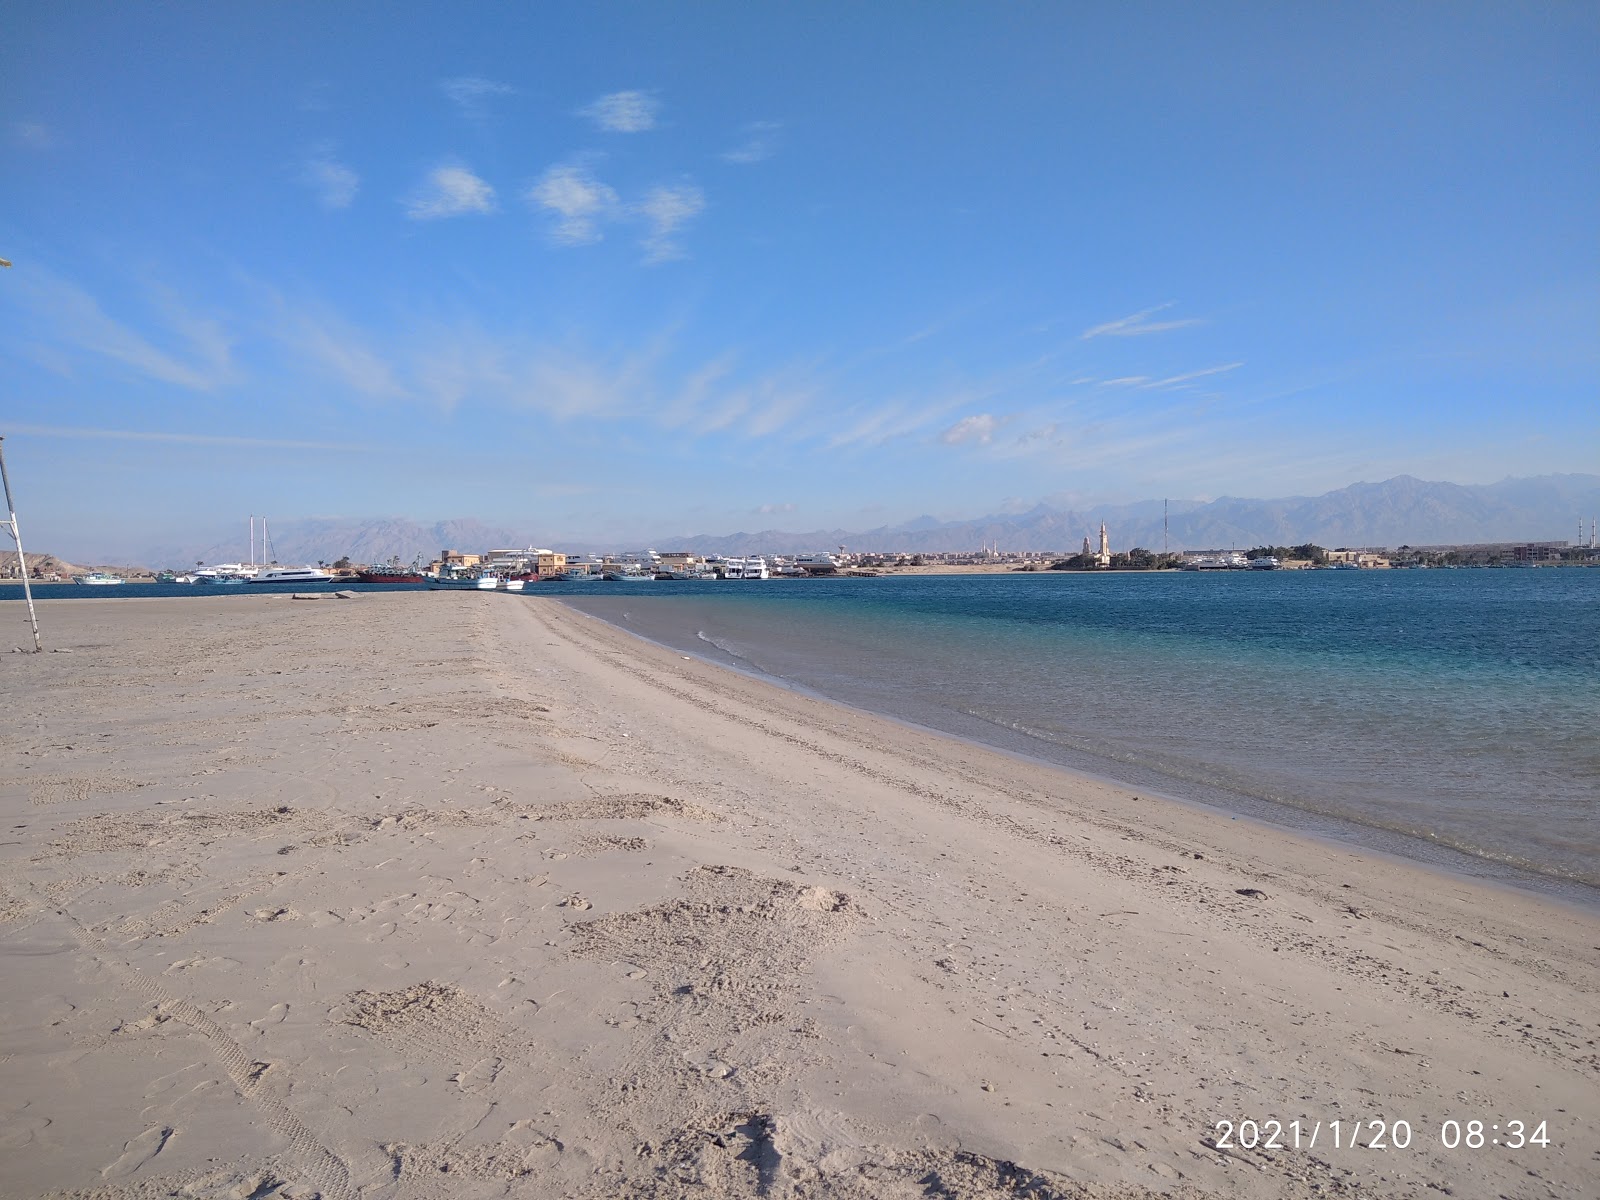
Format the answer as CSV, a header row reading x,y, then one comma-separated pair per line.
x,y
293,575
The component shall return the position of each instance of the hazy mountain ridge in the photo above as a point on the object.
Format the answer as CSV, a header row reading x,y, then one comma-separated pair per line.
x,y
1402,510
1399,511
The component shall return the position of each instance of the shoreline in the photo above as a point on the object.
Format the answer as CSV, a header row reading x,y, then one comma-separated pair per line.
x,y
1333,830
349,895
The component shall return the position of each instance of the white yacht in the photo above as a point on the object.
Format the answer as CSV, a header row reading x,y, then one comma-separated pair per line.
x,y
225,573
746,568
293,575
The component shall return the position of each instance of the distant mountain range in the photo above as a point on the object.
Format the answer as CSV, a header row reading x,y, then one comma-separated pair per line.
x,y
1398,511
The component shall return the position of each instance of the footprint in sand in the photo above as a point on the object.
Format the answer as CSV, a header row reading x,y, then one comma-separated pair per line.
x,y
275,1016
138,1152
479,1076
20,1129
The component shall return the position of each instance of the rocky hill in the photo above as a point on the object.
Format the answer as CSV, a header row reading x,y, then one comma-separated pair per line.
x,y
48,564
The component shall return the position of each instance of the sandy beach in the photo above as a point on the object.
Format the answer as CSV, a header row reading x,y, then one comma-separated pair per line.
x,y
471,895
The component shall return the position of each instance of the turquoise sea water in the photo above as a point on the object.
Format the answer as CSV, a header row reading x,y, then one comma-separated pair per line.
x,y
1421,712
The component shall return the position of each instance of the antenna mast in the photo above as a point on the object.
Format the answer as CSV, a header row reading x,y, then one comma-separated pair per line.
x,y
22,562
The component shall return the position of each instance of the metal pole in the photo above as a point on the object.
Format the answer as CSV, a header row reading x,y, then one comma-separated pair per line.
x,y
22,563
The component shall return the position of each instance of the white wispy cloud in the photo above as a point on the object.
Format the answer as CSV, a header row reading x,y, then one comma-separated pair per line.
x,y
624,112
666,209
450,191
570,385
472,93
1126,381
1175,380
762,510
979,428
1140,323
580,200
775,402
200,357
893,420
334,183
760,142
321,339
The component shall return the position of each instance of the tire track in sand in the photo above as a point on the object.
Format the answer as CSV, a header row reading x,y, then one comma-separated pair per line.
x,y
322,1166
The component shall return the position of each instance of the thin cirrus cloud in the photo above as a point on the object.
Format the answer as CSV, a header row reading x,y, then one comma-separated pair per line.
x,y
979,428
1173,381
578,200
1139,323
334,184
472,93
624,112
666,209
763,510
760,143
199,356
450,191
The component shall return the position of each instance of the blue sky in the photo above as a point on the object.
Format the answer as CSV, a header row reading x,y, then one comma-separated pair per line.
x,y
621,271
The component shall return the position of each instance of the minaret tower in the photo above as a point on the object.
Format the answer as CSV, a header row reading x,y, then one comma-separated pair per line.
x,y
1104,556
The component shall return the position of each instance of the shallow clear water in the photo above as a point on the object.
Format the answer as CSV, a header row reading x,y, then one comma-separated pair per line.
x,y
1410,710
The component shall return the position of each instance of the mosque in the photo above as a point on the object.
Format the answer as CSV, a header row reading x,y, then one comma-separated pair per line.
x,y
1102,559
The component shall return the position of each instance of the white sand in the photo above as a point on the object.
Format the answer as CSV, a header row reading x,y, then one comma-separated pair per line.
x,y
458,895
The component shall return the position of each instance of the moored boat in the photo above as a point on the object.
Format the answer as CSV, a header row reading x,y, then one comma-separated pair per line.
x,y
293,575
225,573
462,583
98,579
391,575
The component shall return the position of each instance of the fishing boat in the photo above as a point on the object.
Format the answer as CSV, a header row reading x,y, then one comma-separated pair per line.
x,y
462,583
391,575
98,579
